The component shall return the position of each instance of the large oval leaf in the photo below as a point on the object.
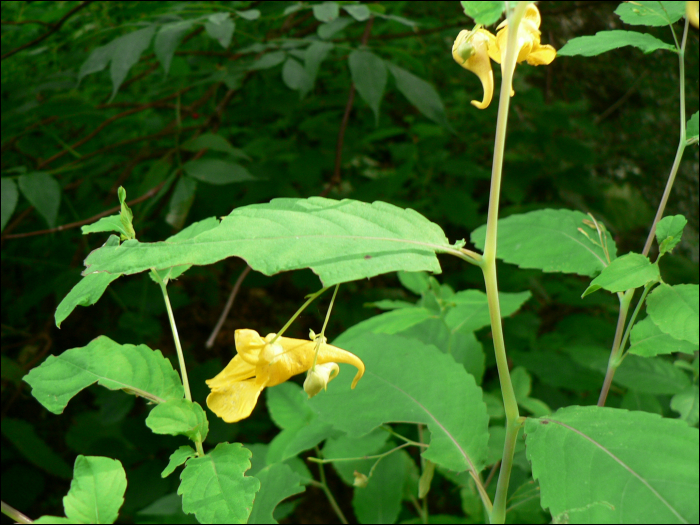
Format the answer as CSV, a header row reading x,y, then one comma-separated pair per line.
x,y
549,240
605,465
339,240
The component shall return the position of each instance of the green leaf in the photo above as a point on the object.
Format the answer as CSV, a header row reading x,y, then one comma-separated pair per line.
x,y
214,143
647,340
410,378
113,223
268,61
181,202
631,270
249,14
327,30
23,436
669,231
380,500
472,309
315,54
604,41
642,374
216,171
96,492
389,304
650,13
390,322
421,94
44,193
87,292
605,465
345,447
135,369
215,488
177,458
369,76
277,483
358,12
303,430
326,12
686,404
167,39
289,234
417,282
9,200
126,52
691,130
190,232
485,13
674,309
220,27
548,240
296,77
179,417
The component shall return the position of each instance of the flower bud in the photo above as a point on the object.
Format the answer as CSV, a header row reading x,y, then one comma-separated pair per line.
x,y
360,480
317,378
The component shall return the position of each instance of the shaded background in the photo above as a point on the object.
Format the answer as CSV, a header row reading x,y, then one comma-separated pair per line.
x,y
595,134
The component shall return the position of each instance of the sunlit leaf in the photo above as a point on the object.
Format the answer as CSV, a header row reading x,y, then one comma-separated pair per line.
x,y
548,240
412,380
650,13
135,369
289,234
179,417
215,488
177,458
674,309
277,483
647,339
669,231
605,465
604,41
485,13
631,270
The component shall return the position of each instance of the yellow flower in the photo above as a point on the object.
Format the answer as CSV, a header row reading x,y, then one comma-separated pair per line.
x,y
259,364
691,12
528,42
470,51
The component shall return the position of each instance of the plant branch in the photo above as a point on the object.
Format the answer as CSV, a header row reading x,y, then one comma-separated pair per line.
x,y
336,178
70,225
55,27
14,514
227,308
329,494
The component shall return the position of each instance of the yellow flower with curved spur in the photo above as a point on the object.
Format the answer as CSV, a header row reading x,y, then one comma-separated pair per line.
x,y
529,47
259,364
470,51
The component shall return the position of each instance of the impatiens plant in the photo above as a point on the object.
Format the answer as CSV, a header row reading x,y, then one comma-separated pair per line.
x,y
419,379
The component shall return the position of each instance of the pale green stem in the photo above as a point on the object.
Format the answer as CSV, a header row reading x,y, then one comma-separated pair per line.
x,y
327,490
647,288
488,267
322,337
359,458
178,347
310,300
15,515
613,362
681,144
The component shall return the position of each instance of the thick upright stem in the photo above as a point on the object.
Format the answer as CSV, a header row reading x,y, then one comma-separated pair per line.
x,y
614,360
498,513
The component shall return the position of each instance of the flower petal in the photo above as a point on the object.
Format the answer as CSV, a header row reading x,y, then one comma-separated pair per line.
x,y
236,401
542,55
236,370
478,61
249,344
